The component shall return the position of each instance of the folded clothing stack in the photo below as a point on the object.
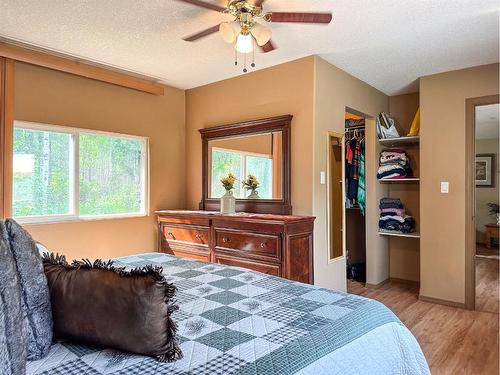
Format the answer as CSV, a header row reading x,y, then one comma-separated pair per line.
x,y
394,163
393,216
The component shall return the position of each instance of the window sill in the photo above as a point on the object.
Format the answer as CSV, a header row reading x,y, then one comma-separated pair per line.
x,y
73,219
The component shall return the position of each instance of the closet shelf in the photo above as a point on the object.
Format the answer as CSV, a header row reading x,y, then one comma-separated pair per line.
x,y
400,141
397,234
399,180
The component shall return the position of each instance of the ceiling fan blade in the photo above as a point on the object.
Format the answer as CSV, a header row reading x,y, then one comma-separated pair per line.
x,y
300,17
204,4
202,34
268,47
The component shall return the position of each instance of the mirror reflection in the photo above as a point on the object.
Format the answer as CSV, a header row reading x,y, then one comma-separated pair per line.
x,y
258,156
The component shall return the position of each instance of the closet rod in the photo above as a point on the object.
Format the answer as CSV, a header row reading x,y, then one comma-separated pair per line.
x,y
357,127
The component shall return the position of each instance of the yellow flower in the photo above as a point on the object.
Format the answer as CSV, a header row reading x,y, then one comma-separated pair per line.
x,y
251,183
228,182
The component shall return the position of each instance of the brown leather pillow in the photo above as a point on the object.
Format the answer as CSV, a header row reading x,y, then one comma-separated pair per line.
x,y
106,306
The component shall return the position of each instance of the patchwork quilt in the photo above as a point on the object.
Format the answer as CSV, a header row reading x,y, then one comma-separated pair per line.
x,y
236,321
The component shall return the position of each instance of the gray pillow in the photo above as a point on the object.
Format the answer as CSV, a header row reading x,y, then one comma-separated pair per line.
x,y
13,338
37,312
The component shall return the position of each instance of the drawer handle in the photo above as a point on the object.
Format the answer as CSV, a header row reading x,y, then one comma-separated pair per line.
x,y
198,236
226,239
171,235
263,244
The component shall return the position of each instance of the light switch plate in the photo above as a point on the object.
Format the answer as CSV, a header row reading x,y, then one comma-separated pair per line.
x,y
445,187
322,177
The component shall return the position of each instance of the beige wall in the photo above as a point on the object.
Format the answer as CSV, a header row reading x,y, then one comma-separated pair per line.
x,y
442,156
334,91
51,97
279,90
485,195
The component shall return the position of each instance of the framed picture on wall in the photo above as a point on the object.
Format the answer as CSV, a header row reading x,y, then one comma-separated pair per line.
x,y
485,164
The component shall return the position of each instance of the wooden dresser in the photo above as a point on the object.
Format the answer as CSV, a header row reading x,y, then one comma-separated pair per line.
x,y
278,245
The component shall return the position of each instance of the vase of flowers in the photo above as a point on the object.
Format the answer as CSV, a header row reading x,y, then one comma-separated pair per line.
x,y
251,184
495,210
228,201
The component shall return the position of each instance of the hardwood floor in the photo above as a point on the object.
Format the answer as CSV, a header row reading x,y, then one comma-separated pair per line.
x,y
487,284
454,341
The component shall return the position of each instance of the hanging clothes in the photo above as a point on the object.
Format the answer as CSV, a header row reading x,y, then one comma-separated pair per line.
x,y
349,155
361,182
355,170
352,171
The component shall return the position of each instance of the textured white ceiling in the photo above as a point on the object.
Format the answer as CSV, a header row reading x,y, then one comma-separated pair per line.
x,y
487,121
386,43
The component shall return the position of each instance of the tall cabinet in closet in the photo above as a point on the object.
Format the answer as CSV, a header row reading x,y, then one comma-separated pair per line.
x,y
404,248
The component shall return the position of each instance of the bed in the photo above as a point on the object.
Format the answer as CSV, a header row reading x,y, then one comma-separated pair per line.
x,y
236,321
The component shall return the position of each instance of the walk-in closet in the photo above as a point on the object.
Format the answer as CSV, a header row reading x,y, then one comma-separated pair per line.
x,y
355,196
383,155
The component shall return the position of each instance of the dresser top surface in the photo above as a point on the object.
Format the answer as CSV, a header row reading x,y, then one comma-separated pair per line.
x,y
238,215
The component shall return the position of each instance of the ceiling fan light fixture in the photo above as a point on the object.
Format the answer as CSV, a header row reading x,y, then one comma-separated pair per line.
x,y
261,34
244,43
244,32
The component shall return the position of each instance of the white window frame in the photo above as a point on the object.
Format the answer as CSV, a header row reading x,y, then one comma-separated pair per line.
x,y
74,175
243,165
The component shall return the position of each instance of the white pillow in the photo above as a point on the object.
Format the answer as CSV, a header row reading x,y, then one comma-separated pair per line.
x,y
42,249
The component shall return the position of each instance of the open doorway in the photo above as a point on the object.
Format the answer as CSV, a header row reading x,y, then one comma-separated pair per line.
x,y
487,207
355,196
347,196
482,253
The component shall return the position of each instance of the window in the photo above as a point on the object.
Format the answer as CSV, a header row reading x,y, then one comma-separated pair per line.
x,y
241,164
63,173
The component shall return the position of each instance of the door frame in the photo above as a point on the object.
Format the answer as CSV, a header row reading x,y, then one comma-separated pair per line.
x,y
340,136
470,195
6,130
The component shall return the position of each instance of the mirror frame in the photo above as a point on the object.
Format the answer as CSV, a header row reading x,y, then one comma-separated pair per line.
x,y
281,124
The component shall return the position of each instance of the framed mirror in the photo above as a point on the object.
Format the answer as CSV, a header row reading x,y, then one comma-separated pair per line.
x,y
259,148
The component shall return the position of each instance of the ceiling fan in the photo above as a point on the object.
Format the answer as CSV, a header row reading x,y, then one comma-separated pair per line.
x,y
245,30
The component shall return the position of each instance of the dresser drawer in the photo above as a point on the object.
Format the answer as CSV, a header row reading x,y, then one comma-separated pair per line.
x,y
270,269
248,243
191,234
186,252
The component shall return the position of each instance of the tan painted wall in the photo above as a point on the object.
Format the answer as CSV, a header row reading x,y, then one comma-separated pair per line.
x,y
442,156
46,96
282,89
334,91
485,195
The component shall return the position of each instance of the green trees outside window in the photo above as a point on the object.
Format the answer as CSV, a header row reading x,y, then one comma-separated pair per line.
x,y
108,179
241,164
41,172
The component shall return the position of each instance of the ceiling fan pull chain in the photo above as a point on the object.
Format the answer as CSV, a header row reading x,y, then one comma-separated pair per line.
x,y
245,63
235,57
253,53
